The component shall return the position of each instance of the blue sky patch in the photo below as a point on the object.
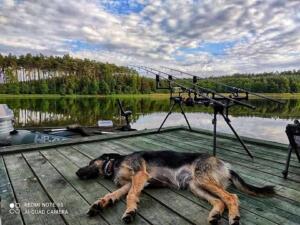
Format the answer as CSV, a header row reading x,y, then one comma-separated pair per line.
x,y
217,48
123,7
78,45
179,58
214,48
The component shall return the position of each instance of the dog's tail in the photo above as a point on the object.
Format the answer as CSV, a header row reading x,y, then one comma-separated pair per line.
x,y
241,185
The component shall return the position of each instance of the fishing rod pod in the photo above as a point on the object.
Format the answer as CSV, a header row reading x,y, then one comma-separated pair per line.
x,y
207,97
235,90
207,90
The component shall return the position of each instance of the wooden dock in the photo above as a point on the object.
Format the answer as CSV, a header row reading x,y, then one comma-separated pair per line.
x,y
37,175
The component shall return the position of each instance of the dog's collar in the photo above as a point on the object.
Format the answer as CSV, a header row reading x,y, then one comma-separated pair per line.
x,y
108,168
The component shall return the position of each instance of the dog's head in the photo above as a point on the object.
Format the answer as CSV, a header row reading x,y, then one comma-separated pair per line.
x,y
101,166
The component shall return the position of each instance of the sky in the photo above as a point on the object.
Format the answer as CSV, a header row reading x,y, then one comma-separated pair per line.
x,y
206,37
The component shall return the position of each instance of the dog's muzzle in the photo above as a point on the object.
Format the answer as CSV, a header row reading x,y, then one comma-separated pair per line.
x,y
88,172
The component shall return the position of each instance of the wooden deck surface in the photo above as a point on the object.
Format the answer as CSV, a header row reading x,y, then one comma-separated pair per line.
x,y
46,174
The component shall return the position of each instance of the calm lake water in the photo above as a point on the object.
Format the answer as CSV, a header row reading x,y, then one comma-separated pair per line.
x,y
266,122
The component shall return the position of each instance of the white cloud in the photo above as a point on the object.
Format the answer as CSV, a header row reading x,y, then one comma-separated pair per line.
x,y
265,33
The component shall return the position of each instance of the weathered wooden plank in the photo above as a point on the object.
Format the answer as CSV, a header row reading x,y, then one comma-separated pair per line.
x,y
149,209
249,217
91,190
7,197
269,153
60,191
263,148
245,139
259,151
28,190
272,214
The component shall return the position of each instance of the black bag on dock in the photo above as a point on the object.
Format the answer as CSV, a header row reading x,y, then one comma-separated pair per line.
x,y
293,134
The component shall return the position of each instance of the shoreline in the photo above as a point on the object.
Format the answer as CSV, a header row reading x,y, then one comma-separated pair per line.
x,y
152,95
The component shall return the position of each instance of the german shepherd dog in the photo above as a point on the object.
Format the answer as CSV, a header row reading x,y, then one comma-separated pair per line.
x,y
205,176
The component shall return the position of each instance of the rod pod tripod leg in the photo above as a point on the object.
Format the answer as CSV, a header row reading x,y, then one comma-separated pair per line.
x,y
218,109
214,122
183,113
236,135
176,101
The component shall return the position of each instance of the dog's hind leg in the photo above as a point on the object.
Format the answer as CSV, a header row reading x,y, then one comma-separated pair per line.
x,y
212,175
139,180
108,199
231,200
218,205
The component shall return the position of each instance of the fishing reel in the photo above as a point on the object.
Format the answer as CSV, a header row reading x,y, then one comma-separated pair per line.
x,y
201,101
234,93
189,101
177,99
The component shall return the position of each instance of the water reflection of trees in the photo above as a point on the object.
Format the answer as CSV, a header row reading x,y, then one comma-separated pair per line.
x,y
86,111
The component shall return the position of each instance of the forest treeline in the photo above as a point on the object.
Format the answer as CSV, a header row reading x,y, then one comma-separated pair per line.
x,y
283,82
39,74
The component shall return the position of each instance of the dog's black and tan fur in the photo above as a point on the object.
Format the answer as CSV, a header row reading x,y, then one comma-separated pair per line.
x,y
204,175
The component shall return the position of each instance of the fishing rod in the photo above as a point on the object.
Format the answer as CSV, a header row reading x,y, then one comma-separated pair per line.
x,y
234,89
210,91
147,69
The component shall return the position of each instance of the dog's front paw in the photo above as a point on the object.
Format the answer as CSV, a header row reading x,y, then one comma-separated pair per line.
x,y
94,210
234,221
128,217
214,220
106,202
97,207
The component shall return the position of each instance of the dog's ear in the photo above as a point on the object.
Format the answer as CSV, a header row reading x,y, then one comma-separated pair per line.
x,y
107,156
110,156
